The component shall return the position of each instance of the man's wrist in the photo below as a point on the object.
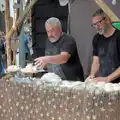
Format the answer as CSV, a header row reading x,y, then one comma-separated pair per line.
x,y
46,59
109,79
92,75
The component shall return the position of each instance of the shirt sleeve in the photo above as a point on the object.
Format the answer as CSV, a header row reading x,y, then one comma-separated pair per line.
x,y
68,45
95,45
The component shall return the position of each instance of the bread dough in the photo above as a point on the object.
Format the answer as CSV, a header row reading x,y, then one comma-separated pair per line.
x,y
13,68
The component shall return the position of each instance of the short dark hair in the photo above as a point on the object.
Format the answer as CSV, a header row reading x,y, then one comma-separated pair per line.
x,y
99,12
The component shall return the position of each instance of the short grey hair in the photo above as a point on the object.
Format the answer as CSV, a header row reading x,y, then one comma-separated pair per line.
x,y
53,20
99,12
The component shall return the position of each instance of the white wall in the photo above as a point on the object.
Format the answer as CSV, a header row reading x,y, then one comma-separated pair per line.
x,y
2,2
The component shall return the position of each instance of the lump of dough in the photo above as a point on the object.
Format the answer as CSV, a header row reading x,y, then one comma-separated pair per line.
x,y
108,87
13,68
50,77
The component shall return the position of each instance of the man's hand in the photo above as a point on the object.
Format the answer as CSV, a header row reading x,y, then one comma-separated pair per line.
x,y
90,77
101,79
41,62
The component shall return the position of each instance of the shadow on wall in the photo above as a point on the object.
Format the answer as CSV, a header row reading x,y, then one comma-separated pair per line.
x,y
80,27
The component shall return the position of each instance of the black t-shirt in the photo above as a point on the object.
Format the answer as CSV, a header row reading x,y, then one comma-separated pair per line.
x,y
108,51
72,69
2,48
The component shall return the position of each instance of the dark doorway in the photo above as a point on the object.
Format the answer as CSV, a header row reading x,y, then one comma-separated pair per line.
x,y
41,11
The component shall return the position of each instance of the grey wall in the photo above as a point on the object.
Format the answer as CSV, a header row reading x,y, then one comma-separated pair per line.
x,y
80,25
115,8
80,21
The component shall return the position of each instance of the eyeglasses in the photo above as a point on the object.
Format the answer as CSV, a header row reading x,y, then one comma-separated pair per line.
x,y
98,22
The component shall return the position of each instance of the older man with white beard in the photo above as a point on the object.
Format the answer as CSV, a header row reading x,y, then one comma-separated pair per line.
x,y
61,56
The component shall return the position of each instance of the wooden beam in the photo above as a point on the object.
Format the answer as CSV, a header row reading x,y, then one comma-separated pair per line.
x,y
107,10
20,20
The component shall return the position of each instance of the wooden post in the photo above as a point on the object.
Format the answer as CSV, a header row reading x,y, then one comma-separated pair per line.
x,y
107,10
7,26
20,19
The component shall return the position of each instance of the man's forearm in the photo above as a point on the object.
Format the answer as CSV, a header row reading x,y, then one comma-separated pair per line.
x,y
114,75
94,69
56,59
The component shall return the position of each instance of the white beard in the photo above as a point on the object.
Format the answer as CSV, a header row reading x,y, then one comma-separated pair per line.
x,y
53,40
101,31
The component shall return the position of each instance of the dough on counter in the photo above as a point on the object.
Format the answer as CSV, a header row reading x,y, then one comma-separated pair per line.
x,y
29,69
13,68
51,77
108,87
29,66
116,87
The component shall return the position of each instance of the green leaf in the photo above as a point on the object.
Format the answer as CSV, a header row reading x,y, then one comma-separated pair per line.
x,y
116,24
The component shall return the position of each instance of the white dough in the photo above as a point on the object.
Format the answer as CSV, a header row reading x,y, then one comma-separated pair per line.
x,y
13,68
29,66
29,69
116,87
50,77
100,85
108,87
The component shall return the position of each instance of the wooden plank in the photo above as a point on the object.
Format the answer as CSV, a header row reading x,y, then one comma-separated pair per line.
x,y
7,26
20,19
107,10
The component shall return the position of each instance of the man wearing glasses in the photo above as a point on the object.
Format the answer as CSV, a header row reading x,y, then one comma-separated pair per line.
x,y
106,50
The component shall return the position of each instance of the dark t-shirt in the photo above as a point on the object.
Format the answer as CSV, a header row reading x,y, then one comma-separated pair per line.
x,y
2,48
108,51
72,69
